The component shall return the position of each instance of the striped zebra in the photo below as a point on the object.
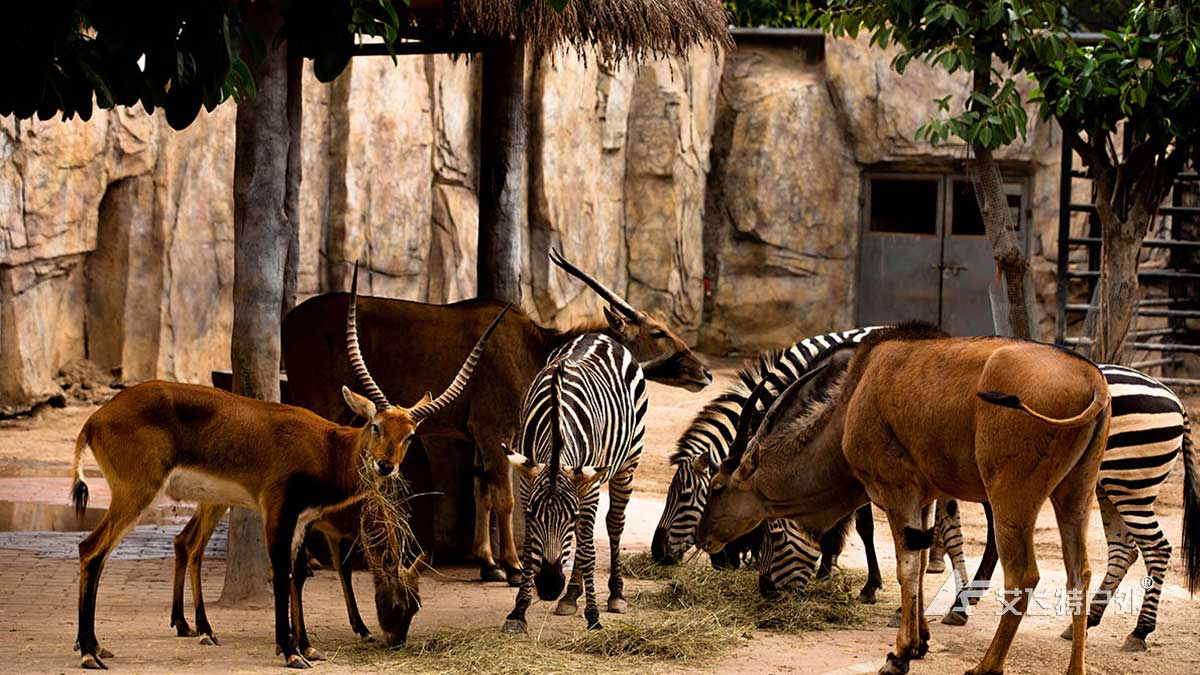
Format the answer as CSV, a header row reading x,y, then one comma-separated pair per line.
x,y
1148,431
789,562
583,424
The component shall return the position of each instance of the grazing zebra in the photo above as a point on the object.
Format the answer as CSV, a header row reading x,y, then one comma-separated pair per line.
x,y
583,424
705,444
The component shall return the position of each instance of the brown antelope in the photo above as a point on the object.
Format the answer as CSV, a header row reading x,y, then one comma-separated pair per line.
x,y
914,415
205,445
424,339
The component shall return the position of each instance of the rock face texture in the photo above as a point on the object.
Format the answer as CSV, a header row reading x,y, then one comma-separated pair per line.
x,y
720,192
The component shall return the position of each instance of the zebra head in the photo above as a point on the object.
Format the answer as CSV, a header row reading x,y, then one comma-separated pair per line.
x,y
551,513
676,531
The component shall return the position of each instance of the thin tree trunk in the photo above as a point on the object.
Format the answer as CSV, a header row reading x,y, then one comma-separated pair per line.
x,y
295,120
997,220
261,236
502,172
1119,251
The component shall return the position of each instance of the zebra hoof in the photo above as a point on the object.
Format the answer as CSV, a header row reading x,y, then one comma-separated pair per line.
x,y
867,596
514,627
894,622
935,567
1134,643
513,575
954,618
491,573
566,607
210,640
617,605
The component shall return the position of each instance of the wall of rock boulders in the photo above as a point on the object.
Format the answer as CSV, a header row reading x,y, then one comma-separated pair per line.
x,y
116,235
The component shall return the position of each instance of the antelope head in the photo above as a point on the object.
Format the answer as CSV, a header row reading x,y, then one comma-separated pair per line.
x,y
390,428
663,355
398,599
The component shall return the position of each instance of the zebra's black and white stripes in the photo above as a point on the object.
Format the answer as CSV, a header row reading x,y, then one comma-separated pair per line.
x,y
583,424
706,443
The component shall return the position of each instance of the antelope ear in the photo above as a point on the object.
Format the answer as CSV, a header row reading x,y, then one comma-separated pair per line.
x,y
615,319
740,479
425,400
700,463
361,405
588,474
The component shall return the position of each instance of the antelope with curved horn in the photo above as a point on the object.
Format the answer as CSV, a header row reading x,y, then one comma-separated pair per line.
x,y
206,445
427,338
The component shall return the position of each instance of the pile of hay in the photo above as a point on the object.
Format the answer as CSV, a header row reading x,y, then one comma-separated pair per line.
x,y
690,614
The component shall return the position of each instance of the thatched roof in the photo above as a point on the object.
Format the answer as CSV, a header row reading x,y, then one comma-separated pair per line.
x,y
611,29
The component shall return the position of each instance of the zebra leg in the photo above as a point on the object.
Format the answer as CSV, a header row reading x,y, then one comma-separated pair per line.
x,y
515,623
620,487
585,556
937,552
569,603
1156,551
949,532
1122,552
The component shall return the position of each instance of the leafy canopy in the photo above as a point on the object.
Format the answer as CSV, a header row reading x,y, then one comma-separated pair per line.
x,y
61,56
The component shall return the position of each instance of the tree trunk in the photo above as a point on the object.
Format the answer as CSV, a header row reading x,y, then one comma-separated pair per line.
x,y
1118,297
502,172
261,236
291,200
997,220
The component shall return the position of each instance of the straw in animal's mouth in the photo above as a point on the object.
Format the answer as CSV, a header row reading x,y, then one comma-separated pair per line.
x,y
385,531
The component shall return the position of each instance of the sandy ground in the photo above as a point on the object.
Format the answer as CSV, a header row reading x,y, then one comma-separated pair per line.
x,y
39,581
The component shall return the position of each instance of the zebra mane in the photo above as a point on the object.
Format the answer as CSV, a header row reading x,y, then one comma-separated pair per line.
x,y
556,435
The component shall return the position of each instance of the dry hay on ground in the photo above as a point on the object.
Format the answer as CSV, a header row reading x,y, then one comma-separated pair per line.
x,y
690,615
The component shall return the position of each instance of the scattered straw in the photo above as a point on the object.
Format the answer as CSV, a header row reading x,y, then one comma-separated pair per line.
x,y
642,566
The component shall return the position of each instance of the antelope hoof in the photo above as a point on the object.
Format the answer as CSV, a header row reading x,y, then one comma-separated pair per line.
x,y
513,575
867,596
566,607
935,566
491,573
1134,643
1067,633
182,629
954,618
313,654
367,637
514,627
210,640
894,666
105,654
894,622
92,662
618,605
298,662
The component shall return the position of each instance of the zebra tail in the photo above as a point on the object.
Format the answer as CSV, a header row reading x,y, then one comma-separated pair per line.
x,y
1191,507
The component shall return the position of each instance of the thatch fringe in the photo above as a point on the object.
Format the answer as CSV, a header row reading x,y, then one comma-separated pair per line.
x,y
613,30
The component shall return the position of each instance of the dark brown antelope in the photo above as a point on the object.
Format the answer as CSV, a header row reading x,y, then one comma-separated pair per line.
x,y
916,415
209,446
420,342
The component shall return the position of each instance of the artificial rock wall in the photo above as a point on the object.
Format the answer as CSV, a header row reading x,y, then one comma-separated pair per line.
x,y
721,192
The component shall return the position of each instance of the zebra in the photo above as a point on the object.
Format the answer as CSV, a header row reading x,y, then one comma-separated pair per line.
x,y
1148,431
583,425
706,443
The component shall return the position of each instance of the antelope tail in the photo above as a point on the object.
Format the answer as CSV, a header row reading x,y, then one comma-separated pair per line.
x,y
79,488
1100,400
1191,507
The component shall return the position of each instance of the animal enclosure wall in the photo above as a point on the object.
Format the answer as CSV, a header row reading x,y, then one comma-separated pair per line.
x,y
720,192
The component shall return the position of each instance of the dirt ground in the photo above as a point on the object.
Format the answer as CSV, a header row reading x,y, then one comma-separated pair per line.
x,y
39,581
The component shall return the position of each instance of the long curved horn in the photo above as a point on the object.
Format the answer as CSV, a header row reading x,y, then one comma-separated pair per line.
x,y
356,360
602,290
464,374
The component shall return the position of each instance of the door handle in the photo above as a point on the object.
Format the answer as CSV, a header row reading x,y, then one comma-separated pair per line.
x,y
955,269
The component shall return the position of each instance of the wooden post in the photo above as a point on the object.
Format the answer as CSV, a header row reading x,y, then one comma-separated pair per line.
x,y
291,200
261,236
502,171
